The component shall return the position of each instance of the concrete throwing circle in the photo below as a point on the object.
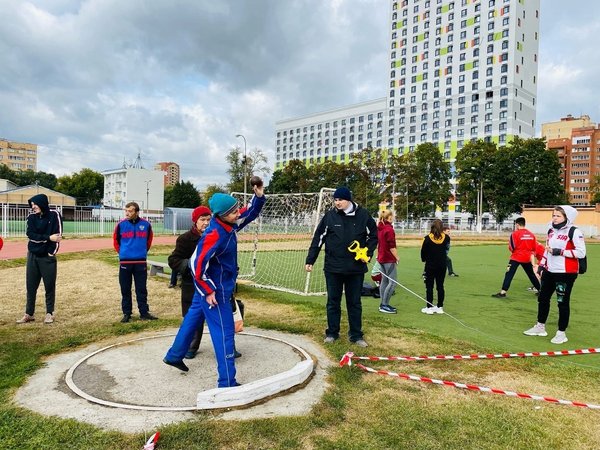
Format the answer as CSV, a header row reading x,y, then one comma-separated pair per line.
x,y
131,374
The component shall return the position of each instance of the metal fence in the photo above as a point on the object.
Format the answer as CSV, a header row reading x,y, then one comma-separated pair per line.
x,y
84,221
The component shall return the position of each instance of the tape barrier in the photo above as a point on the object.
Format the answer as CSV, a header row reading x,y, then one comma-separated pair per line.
x,y
348,357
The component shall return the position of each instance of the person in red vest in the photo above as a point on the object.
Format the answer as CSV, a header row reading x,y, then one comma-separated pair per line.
x,y
522,245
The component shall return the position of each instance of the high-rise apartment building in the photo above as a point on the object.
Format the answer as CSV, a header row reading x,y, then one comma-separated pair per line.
x,y
462,70
18,155
459,70
171,171
579,155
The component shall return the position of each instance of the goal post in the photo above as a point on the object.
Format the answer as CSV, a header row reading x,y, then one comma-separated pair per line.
x,y
273,248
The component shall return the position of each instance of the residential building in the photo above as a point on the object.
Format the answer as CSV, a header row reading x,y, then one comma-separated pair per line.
x,y
134,184
563,127
579,155
171,170
18,155
459,70
331,135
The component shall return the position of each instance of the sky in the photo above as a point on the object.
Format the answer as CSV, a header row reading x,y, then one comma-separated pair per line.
x,y
94,82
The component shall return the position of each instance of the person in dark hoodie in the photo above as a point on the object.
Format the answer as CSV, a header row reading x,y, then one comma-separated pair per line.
x,y
132,239
179,260
339,228
44,230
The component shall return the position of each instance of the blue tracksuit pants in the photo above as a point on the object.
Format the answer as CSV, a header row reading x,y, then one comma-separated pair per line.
x,y
220,325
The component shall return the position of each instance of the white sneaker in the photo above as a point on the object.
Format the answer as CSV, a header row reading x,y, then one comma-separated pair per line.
x,y
429,311
538,330
438,310
49,318
560,338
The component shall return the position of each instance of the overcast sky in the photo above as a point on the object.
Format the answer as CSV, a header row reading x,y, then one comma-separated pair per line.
x,y
92,82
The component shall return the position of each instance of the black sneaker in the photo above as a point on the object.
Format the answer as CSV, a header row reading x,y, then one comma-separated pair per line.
x,y
453,274
237,354
179,364
499,295
126,318
148,316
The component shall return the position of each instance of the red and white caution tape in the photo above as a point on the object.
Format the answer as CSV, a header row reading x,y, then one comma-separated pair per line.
x,y
585,351
348,357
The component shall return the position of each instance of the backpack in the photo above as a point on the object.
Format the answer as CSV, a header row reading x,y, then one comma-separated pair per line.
x,y
582,261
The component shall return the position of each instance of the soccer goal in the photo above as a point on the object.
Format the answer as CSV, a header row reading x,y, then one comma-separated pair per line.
x,y
272,249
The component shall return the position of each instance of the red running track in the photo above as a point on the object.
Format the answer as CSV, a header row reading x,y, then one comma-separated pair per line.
x,y
18,249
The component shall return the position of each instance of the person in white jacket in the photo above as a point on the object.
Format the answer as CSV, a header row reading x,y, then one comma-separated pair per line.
x,y
560,267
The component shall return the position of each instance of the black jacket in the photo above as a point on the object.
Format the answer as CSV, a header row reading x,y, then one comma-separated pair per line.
x,y
180,257
337,230
434,251
41,226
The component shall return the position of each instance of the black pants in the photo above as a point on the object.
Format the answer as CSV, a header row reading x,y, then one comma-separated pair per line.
x,y
187,294
352,285
511,270
562,284
437,275
139,274
449,265
40,268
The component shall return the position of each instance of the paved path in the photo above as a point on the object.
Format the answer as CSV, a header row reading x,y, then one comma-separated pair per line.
x,y
18,249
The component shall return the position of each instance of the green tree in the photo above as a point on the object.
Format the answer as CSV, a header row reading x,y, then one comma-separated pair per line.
x,y
292,178
87,186
213,189
595,190
374,167
475,164
255,163
27,177
182,195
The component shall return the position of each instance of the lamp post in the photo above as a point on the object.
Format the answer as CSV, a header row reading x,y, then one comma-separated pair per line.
x,y
245,162
147,194
479,200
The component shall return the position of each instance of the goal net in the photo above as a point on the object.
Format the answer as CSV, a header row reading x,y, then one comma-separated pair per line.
x,y
273,248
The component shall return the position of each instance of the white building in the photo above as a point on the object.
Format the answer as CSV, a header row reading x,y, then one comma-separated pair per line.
x,y
459,70
143,186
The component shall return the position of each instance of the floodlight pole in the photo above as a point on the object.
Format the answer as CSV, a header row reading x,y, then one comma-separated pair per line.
x,y
245,164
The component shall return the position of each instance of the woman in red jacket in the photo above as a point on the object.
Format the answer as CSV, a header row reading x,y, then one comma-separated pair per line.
x,y
387,257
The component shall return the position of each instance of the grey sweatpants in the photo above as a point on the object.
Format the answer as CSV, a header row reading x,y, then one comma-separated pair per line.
x,y
387,286
40,268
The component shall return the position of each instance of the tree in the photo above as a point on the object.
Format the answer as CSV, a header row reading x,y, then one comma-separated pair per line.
x,y
182,195
425,176
595,190
292,178
27,177
474,167
87,186
213,189
374,167
256,163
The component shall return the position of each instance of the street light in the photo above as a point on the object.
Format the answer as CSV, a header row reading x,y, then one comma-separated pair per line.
x,y
245,162
147,194
479,201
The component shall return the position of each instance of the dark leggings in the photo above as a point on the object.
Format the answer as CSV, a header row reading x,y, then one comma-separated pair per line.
x,y
437,275
562,283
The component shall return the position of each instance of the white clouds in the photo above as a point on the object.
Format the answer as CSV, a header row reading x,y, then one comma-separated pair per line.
x,y
93,81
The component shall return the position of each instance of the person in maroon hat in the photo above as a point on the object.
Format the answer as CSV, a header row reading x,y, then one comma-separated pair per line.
x,y
179,261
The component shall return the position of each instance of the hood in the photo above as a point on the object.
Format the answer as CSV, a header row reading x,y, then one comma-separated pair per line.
x,y
41,200
570,212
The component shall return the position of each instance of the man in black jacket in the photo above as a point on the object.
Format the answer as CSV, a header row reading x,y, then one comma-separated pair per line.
x,y
44,230
339,228
179,261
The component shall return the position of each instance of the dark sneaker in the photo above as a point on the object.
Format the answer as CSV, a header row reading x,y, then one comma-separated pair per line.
x,y
237,354
453,274
126,318
386,309
499,295
178,364
148,316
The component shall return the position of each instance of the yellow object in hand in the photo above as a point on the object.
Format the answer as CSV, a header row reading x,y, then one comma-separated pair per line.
x,y
361,252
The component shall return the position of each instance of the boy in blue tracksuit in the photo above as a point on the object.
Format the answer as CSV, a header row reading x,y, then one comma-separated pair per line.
x,y
214,268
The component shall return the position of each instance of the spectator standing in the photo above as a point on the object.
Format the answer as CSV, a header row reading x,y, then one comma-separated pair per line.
x,y
343,224
132,239
44,230
214,269
522,244
387,257
433,253
564,247
179,261
451,272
